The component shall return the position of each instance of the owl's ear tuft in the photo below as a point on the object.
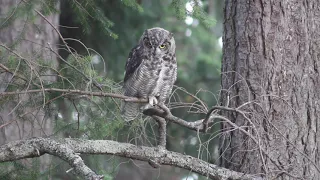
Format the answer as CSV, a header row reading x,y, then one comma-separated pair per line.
x,y
146,32
170,35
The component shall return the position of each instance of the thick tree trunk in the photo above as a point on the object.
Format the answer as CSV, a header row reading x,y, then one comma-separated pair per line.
x,y
27,38
271,62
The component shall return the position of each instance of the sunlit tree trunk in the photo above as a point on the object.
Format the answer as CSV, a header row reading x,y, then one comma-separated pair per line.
x,y
31,39
271,62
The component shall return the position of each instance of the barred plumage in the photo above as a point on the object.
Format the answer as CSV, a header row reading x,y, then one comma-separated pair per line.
x,y
151,71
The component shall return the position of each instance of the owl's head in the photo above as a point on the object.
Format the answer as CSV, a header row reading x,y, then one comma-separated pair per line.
x,y
158,42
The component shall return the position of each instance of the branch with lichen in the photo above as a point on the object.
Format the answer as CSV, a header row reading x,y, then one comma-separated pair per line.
x,y
69,149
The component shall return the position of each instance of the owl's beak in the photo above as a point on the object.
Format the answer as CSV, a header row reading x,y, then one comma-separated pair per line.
x,y
156,51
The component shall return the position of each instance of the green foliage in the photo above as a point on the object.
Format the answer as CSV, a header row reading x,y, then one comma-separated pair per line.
x,y
89,11
14,13
179,8
49,7
133,4
198,13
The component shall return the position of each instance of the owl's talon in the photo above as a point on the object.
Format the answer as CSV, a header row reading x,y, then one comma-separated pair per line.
x,y
145,107
153,100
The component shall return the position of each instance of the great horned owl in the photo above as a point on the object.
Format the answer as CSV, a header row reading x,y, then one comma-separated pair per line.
x,y
151,71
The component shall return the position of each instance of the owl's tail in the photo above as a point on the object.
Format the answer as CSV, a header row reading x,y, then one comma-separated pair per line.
x,y
130,111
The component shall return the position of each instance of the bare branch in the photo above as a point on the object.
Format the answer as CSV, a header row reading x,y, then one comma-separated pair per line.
x,y
167,115
164,112
162,130
66,149
39,146
214,110
75,91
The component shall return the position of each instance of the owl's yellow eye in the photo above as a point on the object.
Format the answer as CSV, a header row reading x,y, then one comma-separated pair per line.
x,y
162,46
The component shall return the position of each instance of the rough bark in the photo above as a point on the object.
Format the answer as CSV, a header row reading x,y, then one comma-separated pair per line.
x,y
28,39
271,60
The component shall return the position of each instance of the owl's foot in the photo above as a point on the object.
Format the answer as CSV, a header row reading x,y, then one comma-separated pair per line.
x,y
153,100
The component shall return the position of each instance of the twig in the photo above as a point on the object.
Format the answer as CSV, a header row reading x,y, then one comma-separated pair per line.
x,y
89,93
196,125
7,123
13,73
205,121
78,114
95,83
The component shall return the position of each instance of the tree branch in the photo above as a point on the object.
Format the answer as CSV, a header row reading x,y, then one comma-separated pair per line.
x,y
162,130
75,91
67,148
164,112
167,115
39,146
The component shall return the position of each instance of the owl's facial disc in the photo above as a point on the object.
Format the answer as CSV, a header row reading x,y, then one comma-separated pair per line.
x,y
158,42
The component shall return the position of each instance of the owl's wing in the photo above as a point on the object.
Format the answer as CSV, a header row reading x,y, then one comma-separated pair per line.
x,y
133,62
